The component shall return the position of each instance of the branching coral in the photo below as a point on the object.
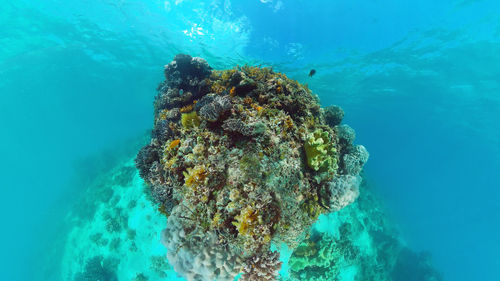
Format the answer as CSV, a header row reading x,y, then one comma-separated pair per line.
x,y
240,159
261,267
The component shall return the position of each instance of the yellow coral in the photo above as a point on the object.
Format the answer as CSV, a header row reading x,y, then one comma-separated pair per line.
x,y
190,120
216,220
246,221
266,239
312,208
320,150
163,114
195,176
217,87
169,154
248,100
173,144
257,107
234,194
187,108
288,123
170,162
226,74
215,75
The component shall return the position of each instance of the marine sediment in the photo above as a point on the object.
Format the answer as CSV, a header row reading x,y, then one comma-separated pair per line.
x,y
240,160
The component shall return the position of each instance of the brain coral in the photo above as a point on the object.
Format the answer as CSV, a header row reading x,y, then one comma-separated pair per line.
x,y
240,159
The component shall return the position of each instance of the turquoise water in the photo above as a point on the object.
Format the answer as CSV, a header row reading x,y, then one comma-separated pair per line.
x,y
418,81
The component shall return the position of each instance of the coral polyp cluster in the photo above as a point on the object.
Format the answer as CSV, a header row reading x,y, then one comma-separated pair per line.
x,y
240,159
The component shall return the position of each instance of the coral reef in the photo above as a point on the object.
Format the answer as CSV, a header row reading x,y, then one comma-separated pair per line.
x,y
119,240
414,266
241,159
358,243
98,268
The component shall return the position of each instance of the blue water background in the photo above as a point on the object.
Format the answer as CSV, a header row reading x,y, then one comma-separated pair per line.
x,y
419,81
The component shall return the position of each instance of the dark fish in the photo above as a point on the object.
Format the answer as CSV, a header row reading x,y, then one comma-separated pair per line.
x,y
312,72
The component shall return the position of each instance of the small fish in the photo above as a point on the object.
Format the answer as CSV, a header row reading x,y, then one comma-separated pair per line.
x,y
312,72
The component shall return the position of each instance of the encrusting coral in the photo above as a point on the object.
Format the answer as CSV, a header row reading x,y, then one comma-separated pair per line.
x,y
241,159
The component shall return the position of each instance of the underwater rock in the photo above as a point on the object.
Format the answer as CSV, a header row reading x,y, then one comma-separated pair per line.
x,y
249,162
125,249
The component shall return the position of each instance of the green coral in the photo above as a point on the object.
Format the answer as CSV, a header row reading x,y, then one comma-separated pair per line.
x,y
190,120
250,164
305,255
323,256
321,152
311,208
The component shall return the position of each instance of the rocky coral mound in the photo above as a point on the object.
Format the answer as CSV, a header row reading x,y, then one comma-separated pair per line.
x,y
240,159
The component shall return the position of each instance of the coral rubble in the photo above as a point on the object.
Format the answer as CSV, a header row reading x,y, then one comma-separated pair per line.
x,y
240,159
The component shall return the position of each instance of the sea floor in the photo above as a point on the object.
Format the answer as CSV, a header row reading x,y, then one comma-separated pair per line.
x,y
114,234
